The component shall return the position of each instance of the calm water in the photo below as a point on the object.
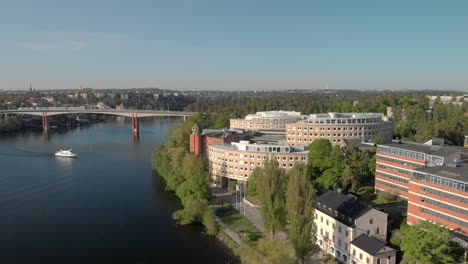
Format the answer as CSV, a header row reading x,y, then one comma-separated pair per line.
x,y
103,207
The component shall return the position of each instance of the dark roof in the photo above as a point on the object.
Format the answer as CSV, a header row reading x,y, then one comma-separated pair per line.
x,y
440,151
459,173
218,133
341,207
368,244
358,143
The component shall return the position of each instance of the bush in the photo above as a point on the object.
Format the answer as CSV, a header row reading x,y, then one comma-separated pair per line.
x,y
192,212
209,221
232,187
226,206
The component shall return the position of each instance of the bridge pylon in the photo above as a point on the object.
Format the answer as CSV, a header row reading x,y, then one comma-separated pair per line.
x,y
135,126
45,121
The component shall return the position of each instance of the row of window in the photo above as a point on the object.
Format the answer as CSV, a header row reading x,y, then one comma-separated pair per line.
x,y
394,186
395,178
445,217
330,129
283,158
402,152
332,135
402,162
385,167
444,205
267,149
440,181
344,120
445,194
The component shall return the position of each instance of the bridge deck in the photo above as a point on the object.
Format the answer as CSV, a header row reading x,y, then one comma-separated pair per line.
x,y
127,112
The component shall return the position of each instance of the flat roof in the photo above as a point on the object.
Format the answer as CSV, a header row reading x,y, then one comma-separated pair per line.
x,y
459,173
441,151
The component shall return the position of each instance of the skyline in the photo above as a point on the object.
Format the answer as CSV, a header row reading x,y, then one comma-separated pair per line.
x,y
227,45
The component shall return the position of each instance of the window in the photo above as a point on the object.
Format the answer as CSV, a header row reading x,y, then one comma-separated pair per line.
x,y
327,222
354,252
367,260
360,256
377,231
339,229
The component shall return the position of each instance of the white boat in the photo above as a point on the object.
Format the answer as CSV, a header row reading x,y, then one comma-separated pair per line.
x,y
65,153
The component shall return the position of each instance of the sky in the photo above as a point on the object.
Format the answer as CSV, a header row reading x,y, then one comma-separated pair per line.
x,y
234,44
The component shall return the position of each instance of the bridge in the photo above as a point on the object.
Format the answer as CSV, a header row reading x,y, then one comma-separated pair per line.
x,y
134,114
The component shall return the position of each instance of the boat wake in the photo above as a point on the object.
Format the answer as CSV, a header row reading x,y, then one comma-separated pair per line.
x,y
26,153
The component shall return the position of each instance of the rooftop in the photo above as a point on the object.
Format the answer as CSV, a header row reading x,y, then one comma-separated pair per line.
x,y
341,207
441,151
460,172
347,115
219,133
369,244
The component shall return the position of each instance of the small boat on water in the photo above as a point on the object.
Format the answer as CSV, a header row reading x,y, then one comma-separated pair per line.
x,y
65,153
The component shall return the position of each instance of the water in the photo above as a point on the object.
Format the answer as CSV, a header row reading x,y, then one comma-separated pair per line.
x,y
103,207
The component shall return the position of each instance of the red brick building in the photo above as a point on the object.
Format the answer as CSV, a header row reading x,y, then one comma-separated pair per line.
x,y
431,178
199,143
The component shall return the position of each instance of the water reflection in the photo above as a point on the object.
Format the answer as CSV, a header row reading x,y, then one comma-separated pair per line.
x,y
64,161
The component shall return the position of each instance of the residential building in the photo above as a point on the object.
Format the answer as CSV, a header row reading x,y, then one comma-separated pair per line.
x,y
369,250
338,127
270,120
341,219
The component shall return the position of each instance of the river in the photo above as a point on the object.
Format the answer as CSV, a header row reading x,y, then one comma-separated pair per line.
x,y
105,206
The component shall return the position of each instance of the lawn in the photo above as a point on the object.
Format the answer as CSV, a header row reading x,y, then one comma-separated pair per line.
x,y
237,222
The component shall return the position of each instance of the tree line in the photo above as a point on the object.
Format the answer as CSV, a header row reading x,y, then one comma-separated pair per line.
x,y
415,118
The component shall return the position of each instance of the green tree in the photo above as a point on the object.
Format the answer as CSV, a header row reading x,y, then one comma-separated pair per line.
x,y
192,212
426,242
271,194
300,196
195,188
232,186
252,182
319,151
386,197
209,221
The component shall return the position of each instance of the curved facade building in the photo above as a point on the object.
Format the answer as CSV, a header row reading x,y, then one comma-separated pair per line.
x,y
237,160
271,120
338,127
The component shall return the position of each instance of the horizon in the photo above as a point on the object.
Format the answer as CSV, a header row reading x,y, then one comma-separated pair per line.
x,y
235,46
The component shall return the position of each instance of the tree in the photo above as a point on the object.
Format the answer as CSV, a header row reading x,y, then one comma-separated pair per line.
x,y
326,163
319,151
300,196
192,212
252,183
386,197
271,195
426,242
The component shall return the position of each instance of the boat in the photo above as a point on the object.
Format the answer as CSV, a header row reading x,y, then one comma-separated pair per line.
x,y
65,153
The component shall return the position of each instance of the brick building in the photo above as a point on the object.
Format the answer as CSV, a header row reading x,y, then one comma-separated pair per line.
x,y
432,179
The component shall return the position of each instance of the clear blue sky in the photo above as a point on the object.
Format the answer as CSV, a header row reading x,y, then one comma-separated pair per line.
x,y
234,44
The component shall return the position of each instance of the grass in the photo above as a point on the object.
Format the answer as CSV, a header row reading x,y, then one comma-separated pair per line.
x,y
237,222
252,199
